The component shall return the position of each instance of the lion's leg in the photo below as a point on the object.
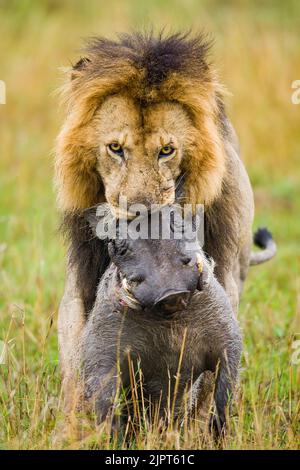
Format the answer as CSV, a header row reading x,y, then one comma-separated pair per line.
x,y
232,290
244,262
233,279
70,325
229,279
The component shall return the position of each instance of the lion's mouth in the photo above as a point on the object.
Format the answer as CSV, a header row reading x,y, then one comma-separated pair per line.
x,y
121,213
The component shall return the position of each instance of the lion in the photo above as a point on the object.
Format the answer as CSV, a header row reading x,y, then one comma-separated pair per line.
x,y
146,113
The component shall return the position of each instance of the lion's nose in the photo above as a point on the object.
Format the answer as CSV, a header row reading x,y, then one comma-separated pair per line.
x,y
173,301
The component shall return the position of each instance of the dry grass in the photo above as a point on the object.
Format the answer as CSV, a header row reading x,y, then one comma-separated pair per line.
x,y
258,52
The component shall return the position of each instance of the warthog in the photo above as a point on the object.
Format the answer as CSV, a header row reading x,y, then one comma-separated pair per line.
x,y
161,305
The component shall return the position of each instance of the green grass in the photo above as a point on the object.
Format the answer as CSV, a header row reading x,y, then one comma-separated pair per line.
x,y
257,51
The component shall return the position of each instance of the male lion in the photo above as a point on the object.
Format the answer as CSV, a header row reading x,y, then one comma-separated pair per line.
x,y
145,113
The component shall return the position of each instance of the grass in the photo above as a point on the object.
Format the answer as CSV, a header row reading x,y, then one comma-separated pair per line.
x,y
258,53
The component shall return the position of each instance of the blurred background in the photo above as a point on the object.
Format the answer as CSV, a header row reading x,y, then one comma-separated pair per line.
x,y
257,53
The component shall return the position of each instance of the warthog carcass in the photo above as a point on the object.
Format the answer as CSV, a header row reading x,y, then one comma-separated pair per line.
x,y
160,308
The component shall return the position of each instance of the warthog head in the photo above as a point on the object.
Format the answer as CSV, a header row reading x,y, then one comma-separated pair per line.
x,y
159,274
156,273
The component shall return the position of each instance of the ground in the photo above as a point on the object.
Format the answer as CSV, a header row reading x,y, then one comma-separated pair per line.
x,y
257,50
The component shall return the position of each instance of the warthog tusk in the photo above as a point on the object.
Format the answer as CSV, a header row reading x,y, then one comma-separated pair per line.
x,y
199,262
128,297
125,284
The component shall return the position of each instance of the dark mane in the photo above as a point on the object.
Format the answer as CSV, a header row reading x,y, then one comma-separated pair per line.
x,y
87,253
220,232
158,56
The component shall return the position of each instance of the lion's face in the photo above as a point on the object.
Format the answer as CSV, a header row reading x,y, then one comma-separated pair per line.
x,y
141,112
140,150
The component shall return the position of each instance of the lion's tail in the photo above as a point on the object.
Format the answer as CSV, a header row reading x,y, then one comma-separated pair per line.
x,y
263,239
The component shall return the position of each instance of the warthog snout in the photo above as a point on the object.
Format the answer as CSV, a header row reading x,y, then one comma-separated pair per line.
x,y
173,301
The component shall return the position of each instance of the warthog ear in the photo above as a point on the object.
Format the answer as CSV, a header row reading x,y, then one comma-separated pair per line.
x,y
95,215
117,247
92,219
111,248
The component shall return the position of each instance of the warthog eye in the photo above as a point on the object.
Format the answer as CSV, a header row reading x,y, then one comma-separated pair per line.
x,y
136,279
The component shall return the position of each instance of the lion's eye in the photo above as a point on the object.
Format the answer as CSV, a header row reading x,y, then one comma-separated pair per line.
x,y
116,149
166,151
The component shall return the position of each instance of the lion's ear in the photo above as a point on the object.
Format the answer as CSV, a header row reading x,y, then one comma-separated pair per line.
x,y
79,67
